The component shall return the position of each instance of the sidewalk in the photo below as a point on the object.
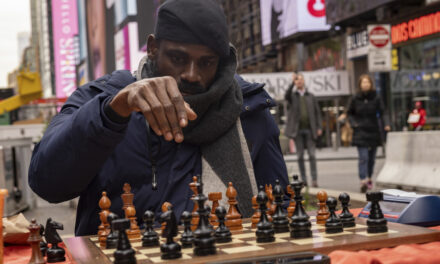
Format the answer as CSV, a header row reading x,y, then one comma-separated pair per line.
x,y
343,153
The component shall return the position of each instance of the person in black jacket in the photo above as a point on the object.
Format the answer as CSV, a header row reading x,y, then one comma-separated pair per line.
x,y
365,112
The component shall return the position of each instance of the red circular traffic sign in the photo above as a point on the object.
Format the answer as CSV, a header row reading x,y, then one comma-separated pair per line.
x,y
379,36
316,7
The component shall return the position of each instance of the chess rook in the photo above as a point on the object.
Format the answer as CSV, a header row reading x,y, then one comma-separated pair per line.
x,y
376,222
300,225
346,217
323,214
214,198
280,220
333,224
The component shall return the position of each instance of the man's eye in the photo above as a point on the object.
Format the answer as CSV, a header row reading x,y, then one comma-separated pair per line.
x,y
177,59
207,63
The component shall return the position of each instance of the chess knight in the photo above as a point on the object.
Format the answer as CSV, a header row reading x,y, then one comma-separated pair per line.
x,y
183,112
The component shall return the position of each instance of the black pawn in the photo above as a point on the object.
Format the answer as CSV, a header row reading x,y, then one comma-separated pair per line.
x,y
43,244
222,233
124,254
376,222
265,232
280,220
346,217
187,239
333,224
112,238
300,225
149,238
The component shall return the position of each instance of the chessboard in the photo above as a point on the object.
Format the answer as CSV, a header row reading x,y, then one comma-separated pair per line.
x,y
244,245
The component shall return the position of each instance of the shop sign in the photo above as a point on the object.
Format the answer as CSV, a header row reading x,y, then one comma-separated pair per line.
x,y
357,44
379,49
320,83
416,28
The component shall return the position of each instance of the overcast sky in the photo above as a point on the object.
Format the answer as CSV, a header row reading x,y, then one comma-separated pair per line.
x,y
14,17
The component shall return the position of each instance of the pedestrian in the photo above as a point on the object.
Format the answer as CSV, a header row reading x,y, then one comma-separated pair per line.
x,y
417,118
304,123
202,119
365,112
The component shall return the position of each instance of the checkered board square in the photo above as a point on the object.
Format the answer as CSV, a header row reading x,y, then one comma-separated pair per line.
x,y
244,243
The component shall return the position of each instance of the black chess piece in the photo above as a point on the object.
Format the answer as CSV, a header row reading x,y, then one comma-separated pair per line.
x,y
170,249
376,222
333,224
280,220
124,253
222,233
265,232
112,238
187,239
204,239
150,238
54,253
346,217
300,225
43,244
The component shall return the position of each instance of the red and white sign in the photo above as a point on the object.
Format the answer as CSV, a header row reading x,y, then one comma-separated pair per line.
x,y
316,7
379,48
379,36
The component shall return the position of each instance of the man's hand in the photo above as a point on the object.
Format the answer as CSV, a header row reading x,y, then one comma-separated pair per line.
x,y
387,128
160,101
319,132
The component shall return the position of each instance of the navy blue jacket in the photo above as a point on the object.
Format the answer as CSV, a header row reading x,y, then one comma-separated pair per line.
x,y
83,153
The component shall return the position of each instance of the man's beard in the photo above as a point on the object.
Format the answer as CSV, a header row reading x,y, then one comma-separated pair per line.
x,y
185,87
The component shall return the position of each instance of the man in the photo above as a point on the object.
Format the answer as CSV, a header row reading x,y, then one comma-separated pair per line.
x,y
303,125
186,91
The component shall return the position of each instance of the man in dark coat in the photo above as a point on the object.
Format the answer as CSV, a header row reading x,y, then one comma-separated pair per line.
x,y
183,113
304,125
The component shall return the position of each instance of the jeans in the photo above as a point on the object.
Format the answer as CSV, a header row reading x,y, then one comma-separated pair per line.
x,y
367,157
304,139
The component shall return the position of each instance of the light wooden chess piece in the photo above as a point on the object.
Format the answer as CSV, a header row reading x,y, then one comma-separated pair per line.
x,y
257,213
291,207
323,214
34,240
270,205
3,194
104,227
195,214
130,212
214,197
164,209
233,218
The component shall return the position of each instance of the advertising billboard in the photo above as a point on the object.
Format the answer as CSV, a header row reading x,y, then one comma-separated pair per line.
x,y
127,53
283,18
65,27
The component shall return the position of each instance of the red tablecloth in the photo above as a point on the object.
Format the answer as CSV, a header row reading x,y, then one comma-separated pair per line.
x,y
22,255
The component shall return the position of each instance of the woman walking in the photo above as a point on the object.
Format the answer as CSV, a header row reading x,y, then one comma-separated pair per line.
x,y
365,112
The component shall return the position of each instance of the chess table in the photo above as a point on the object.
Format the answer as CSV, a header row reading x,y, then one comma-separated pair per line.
x,y
244,246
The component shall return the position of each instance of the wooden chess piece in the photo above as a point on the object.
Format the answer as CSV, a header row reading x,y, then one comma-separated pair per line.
x,y
43,244
280,220
333,224
322,214
214,198
257,213
346,216
270,203
3,194
195,214
124,253
222,233
265,232
376,222
130,212
149,237
104,227
187,238
291,207
112,238
54,253
164,208
300,226
170,249
34,240
233,218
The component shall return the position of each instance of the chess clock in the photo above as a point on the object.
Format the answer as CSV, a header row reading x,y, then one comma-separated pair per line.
x,y
408,208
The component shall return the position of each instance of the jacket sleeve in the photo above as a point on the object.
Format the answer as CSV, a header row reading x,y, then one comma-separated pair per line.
x,y
318,114
74,147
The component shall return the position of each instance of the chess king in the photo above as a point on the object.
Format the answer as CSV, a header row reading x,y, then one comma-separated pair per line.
x,y
184,112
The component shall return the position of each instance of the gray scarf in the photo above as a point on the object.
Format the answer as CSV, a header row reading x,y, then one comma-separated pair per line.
x,y
217,130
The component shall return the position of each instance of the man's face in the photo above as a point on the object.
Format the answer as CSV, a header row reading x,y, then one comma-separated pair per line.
x,y
299,82
192,66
